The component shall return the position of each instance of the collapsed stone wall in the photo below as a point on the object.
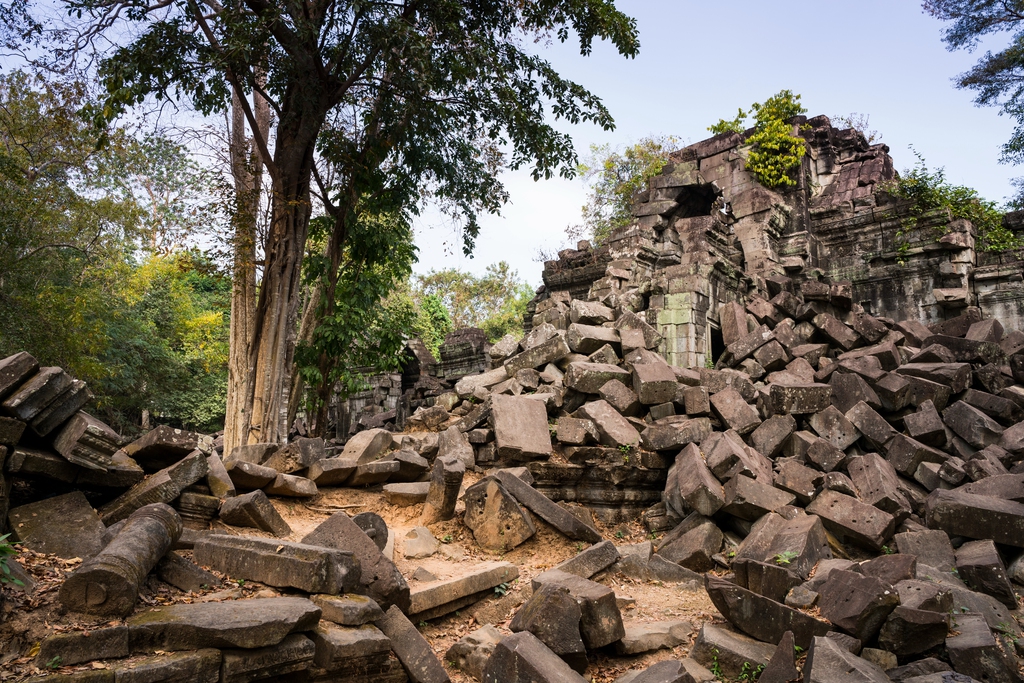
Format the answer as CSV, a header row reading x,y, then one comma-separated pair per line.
x,y
707,233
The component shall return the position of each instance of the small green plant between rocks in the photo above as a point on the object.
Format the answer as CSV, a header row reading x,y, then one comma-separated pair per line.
x,y
7,551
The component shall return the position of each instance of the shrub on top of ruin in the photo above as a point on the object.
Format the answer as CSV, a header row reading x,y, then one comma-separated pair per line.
x,y
928,190
775,153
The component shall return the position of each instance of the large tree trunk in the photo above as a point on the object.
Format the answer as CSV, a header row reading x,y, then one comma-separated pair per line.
x,y
307,326
247,173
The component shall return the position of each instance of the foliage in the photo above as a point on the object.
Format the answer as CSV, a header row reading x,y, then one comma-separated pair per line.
x,y
495,302
785,557
929,190
775,153
616,177
80,286
997,79
858,122
432,322
7,551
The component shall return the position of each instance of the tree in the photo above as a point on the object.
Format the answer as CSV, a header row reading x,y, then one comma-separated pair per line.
x,y
495,302
615,178
997,78
439,84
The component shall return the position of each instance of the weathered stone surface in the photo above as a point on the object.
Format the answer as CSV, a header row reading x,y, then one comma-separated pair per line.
x,y
772,434
298,455
931,547
972,425
909,631
695,548
590,561
601,622
472,652
66,526
799,399
760,617
291,486
906,454
32,397
749,499
217,478
379,577
367,446
411,648
586,339
418,543
782,667
76,647
614,430
548,351
437,598
728,651
824,455
109,583
832,425
283,564
588,378
956,376
577,432
673,433
255,453
292,657
857,604
827,662
878,484
547,510
15,370
254,510
247,624
800,480
445,482
853,520
184,574
336,644
348,610
653,635
201,666
86,441
453,443
980,567
520,428
372,473
734,412
162,447
494,516
248,476
696,485
654,383
980,517
973,651
553,615
523,658
406,495
162,487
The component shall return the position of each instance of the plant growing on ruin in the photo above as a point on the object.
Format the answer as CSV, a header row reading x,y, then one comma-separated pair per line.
x,y
775,153
927,190
785,557
7,551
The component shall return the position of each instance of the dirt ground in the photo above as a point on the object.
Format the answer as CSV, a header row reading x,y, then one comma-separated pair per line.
x,y
25,619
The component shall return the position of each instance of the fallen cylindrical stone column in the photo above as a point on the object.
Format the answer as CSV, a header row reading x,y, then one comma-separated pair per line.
x,y
109,583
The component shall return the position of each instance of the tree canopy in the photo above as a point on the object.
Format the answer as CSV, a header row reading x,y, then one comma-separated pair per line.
x,y
495,302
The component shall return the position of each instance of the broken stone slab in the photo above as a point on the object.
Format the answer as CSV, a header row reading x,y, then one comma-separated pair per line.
x,y
577,432
162,447
673,433
907,454
800,543
65,526
824,455
292,657
520,428
201,666
15,370
849,389
282,564
255,453
601,622
468,384
109,583
406,495
548,510
337,645
760,617
980,567
554,615
772,434
827,662
749,499
696,485
453,443
291,486
857,604
654,635
590,561
972,425
348,610
931,547
853,520
32,397
799,399
411,648
298,455
523,658
162,487
549,351
693,548
217,478
729,652
973,651
77,647
926,425
956,376
371,473
800,480
909,631
878,484
248,476
654,383
86,441
471,653
445,483
782,667
978,517
497,521
586,339
367,446
613,429
832,425
261,622
379,577
436,598
734,412
184,574
588,378
418,543
254,510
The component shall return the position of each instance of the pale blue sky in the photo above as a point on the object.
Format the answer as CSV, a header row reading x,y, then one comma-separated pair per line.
x,y
700,61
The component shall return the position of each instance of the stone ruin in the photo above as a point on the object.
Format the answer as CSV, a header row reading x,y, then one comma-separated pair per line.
x,y
846,483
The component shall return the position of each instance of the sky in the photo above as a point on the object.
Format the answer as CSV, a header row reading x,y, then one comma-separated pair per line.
x,y
700,61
